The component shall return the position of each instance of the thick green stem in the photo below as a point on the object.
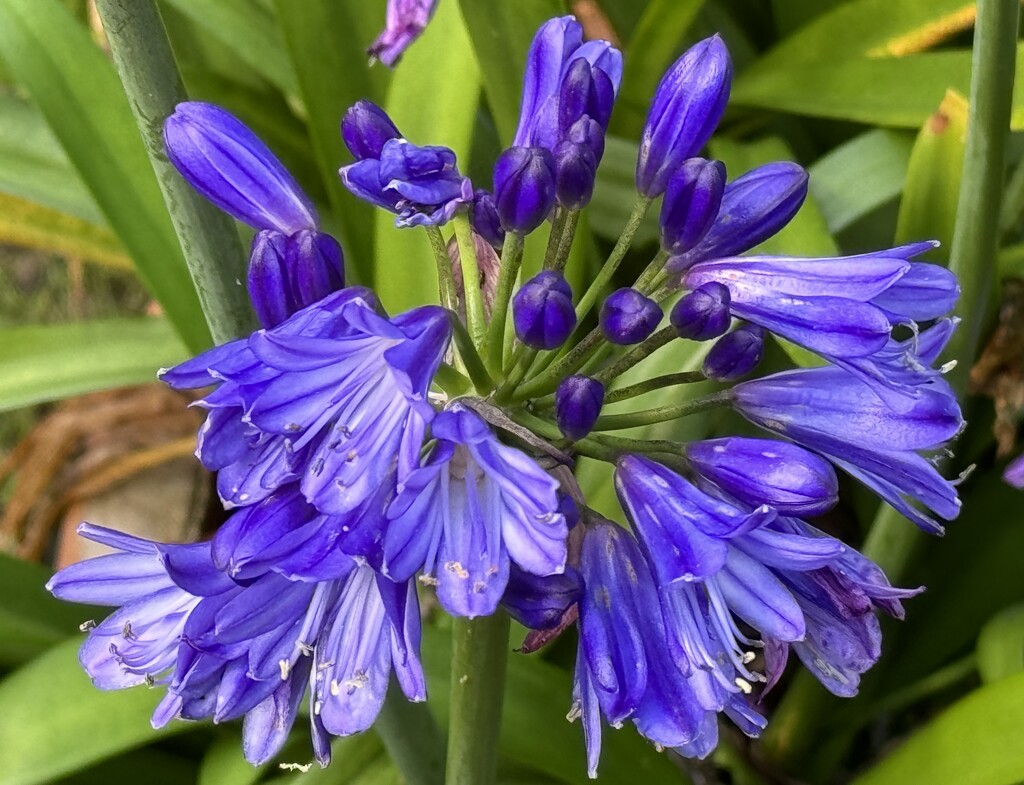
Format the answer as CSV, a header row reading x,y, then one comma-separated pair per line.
x,y
565,241
208,237
555,238
479,659
471,359
649,276
476,321
446,291
657,383
604,277
569,364
617,422
412,738
796,728
637,354
511,259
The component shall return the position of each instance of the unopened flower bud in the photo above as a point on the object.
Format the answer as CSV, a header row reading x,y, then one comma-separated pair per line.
x,y
691,204
702,314
575,171
542,311
736,354
628,317
268,280
315,266
484,217
524,188
764,471
229,165
578,402
687,106
365,129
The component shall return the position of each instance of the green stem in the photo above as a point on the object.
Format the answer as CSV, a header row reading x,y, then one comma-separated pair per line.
x,y
471,357
604,277
208,237
452,381
446,290
412,738
569,364
479,659
511,260
637,354
566,240
555,238
795,731
652,273
471,294
657,383
617,422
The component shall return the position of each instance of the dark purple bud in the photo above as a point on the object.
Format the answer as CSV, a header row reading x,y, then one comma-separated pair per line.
x,y
542,311
569,510
484,217
687,106
702,314
268,279
229,165
628,317
587,131
575,170
537,601
365,128
691,204
736,354
315,266
754,207
524,188
578,402
576,95
764,471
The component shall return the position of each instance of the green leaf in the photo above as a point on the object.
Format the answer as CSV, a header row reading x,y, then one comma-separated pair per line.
x,y
53,721
76,89
35,226
433,99
250,31
326,42
928,207
659,37
860,176
34,166
878,28
974,742
501,32
46,363
31,621
1000,650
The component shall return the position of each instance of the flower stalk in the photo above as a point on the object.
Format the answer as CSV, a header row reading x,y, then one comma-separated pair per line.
x,y
511,259
476,321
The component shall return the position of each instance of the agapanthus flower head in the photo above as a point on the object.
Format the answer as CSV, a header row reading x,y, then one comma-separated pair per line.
x,y
524,188
790,479
834,413
229,165
735,354
405,22
578,402
687,106
225,650
543,312
702,314
754,206
421,185
332,397
691,204
683,529
558,90
628,317
473,508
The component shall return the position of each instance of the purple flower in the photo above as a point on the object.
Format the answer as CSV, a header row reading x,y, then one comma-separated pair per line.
x,y
485,219
472,509
366,128
406,21
691,204
524,188
558,91
761,471
628,317
540,601
228,164
578,402
735,354
754,207
683,529
835,414
421,185
1013,474
702,314
542,311
287,273
687,106
225,650
332,398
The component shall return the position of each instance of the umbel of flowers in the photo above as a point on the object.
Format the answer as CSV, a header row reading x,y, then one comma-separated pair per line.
x,y
368,458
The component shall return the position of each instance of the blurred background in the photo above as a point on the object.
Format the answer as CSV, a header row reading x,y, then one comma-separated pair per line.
x,y
868,95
